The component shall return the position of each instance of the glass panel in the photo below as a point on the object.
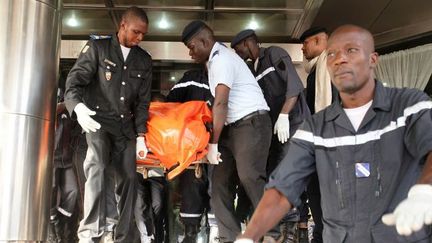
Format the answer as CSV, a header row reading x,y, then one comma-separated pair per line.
x,y
296,4
170,23
264,24
87,22
84,2
161,2
166,74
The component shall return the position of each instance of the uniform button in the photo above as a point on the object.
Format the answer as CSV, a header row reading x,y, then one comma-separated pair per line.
x,y
121,98
121,116
123,83
139,75
124,67
97,107
108,67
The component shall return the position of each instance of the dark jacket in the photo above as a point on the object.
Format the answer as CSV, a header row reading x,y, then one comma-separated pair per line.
x,y
192,86
118,90
310,91
392,142
279,80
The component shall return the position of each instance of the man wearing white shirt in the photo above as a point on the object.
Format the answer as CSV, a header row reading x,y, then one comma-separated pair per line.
x,y
241,126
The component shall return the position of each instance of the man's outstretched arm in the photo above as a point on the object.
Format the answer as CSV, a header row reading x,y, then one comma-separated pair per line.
x,y
271,208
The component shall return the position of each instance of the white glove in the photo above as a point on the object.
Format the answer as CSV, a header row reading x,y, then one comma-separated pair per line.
x,y
244,240
413,212
141,148
282,128
83,116
213,155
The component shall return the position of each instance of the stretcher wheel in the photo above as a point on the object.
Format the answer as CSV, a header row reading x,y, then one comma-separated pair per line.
x,y
198,171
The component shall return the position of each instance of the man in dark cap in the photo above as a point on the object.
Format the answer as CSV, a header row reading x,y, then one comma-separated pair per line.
x,y
320,93
283,91
108,91
241,126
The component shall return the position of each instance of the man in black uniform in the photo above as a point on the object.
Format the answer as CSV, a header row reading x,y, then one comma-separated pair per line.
x,y
111,81
63,213
194,201
372,151
283,91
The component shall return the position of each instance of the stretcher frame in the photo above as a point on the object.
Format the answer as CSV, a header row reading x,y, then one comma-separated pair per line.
x,y
142,167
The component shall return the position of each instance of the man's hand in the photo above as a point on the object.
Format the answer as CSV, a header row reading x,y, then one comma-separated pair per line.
x,y
83,116
60,107
414,212
213,154
141,148
243,240
282,128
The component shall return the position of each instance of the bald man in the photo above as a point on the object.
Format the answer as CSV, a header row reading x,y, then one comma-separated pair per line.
x,y
371,150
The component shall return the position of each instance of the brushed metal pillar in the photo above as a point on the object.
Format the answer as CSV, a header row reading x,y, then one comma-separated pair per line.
x,y
29,41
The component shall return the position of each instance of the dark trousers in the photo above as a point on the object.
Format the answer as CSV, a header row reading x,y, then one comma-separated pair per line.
x,y
277,152
151,207
80,147
244,149
314,195
65,192
194,197
103,148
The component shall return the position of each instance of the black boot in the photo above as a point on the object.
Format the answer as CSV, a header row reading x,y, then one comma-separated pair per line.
x,y
70,229
59,231
303,236
52,236
191,232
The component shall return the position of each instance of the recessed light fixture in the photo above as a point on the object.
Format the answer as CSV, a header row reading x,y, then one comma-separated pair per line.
x,y
72,21
163,23
172,78
253,25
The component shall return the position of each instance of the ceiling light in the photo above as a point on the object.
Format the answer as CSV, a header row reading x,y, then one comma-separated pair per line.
x,y
253,25
163,23
72,21
172,78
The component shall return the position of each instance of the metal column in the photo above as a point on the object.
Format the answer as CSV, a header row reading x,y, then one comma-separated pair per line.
x,y
29,41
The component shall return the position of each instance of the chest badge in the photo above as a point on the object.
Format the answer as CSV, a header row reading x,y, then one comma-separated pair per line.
x,y
108,75
362,170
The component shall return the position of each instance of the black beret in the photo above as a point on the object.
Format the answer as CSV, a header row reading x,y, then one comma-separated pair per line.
x,y
312,31
241,36
192,29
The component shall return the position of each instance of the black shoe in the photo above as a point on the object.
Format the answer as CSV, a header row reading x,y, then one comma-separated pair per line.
x,y
52,236
288,232
303,235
